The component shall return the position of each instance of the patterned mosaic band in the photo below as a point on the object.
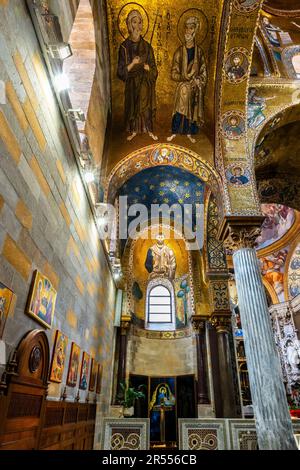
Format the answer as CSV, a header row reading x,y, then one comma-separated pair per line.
x,y
220,434
123,434
178,334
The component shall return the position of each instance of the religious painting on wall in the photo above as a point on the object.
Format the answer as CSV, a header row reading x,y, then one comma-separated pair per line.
x,y
99,379
162,409
6,303
137,69
93,378
73,365
42,299
84,374
59,357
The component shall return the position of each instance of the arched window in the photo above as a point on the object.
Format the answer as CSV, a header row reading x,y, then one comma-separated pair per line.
x,y
160,305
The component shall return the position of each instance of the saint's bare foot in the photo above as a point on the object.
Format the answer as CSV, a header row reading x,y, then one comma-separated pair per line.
x,y
172,137
131,136
154,137
191,139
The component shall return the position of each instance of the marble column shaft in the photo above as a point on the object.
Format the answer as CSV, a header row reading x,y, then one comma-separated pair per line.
x,y
226,375
121,377
202,388
273,421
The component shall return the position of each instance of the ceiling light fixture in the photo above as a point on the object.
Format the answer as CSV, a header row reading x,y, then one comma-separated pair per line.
x,y
89,176
61,82
76,115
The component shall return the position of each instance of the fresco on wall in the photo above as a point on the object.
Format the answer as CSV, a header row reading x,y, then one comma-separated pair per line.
x,y
279,219
272,269
59,357
294,274
41,300
73,365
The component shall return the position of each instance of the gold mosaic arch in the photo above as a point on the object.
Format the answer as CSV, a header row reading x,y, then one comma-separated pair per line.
x,y
162,154
232,97
261,132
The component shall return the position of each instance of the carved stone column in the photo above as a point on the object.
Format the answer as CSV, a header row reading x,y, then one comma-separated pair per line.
x,y
199,326
222,324
122,337
221,320
273,421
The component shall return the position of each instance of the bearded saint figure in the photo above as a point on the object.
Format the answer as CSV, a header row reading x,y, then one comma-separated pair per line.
x,y
161,261
190,74
137,69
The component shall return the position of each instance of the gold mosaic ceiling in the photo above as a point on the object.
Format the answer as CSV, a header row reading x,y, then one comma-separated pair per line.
x,y
163,27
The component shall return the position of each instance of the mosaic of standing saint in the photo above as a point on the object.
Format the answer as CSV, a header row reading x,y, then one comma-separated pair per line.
x,y
190,73
137,69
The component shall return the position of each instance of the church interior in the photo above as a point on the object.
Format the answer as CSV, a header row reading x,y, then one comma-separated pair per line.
x,y
149,225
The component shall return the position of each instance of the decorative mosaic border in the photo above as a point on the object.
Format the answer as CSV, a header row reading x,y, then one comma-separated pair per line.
x,y
186,425
127,424
230,432
246,427
178,334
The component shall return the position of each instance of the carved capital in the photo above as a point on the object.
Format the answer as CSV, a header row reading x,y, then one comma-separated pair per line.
x,y
222,323
198,323
125,324
241,237
240,232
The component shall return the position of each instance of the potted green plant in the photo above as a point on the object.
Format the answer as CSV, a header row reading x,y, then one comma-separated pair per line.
x,y
129,396
294,408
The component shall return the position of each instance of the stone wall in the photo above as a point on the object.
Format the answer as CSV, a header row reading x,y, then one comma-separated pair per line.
x,y
45,219
161,357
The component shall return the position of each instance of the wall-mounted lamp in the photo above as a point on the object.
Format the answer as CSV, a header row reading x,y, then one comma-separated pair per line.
x,y
60,51
86,156
61,82
76,115
89,176
117,269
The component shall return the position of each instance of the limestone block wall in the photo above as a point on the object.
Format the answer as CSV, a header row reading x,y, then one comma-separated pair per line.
x,y
161,357
45,219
